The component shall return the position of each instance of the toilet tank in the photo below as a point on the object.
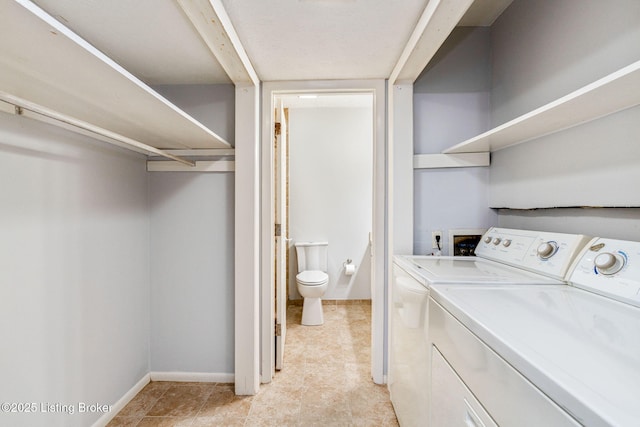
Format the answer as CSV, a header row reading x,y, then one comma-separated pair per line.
x,y
312,256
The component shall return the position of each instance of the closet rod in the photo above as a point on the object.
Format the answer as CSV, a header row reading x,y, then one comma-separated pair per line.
x,y
110,137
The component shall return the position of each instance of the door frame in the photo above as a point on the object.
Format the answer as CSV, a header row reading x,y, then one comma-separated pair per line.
x,y
379,246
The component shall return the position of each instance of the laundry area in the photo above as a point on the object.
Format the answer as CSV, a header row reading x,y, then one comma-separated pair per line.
x,y
210,197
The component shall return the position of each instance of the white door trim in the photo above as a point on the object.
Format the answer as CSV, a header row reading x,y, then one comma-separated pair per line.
x,y
380,219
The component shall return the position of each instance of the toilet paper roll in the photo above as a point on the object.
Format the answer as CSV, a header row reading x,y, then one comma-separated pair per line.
x,y
349,269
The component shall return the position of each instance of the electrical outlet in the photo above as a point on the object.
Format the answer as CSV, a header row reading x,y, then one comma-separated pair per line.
x,y
434,242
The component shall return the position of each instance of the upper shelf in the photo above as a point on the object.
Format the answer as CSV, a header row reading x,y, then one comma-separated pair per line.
x,y
612,93
45,63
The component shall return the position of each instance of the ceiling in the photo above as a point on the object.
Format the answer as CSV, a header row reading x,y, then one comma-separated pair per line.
x,y
284,39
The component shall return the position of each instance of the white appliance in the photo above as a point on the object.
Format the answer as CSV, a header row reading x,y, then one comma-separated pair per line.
x,y
541,355
503,256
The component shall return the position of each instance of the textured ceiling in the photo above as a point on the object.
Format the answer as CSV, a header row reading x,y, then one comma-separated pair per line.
x,y
152,39
284,39
324,39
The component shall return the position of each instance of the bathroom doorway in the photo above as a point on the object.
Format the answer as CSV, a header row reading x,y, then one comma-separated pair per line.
x,y
325,170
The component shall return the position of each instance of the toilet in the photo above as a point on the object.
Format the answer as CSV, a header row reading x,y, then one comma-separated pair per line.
x,y
312,279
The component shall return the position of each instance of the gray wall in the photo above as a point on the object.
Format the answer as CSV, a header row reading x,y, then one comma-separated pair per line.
x,y
331,192
451,104
74,271
544,49
541,51
191,246
211,105
192,272
101,261
614,223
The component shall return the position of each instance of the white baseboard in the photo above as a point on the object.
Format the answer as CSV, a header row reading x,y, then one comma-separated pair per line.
x,y
122,402
200,377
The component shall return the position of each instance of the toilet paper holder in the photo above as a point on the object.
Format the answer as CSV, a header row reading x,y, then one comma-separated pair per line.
x,y
349,267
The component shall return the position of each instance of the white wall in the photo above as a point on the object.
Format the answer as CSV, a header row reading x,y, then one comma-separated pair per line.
x,y
74,271
331,185
543,50
451,104
192,272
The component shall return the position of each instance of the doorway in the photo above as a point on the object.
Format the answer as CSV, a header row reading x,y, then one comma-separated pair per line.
x,y
293,93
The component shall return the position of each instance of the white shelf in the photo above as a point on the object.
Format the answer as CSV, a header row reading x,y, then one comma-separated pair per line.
x,y
615,92
440,161
45,63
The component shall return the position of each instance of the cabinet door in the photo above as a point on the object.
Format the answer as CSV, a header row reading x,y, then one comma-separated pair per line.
x,y
452,403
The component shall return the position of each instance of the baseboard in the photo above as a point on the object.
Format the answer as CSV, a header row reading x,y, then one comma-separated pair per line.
x,y
122,402
200,377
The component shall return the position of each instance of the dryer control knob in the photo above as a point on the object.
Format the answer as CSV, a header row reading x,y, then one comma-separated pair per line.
x,y
497,241
506,243
608,263
547,249
487,239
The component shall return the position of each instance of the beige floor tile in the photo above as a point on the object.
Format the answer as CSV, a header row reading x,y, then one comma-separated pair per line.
x,y
276,420
218,420
166,422
120,421
144,401
181,401
224,403
326,381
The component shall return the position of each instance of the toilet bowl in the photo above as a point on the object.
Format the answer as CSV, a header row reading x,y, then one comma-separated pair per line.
x,y
312,280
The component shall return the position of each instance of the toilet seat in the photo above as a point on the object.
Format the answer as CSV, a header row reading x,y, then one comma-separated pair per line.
x,y
312,278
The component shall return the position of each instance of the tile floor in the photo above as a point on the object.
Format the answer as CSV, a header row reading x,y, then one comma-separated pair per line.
x,y
325,382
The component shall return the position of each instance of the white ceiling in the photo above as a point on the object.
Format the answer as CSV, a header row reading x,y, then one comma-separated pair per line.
x,y
324,39
152,39
284,39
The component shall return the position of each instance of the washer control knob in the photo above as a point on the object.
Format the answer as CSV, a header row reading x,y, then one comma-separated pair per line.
x,y
547,249
487,239
506,243
497,241
608,263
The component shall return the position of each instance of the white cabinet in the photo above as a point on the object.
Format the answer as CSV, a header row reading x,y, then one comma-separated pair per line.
x,y
453,404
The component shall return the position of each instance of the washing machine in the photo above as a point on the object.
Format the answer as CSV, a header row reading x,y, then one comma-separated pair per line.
x,y
561,355
503,257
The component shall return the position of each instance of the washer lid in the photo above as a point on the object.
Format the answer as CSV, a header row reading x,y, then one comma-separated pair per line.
x,y
580,349
313,277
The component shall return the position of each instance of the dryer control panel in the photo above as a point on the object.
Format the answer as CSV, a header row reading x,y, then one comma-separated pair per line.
x,y
611,268
550,254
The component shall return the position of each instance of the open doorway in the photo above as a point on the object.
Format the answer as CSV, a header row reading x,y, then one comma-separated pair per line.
x,y
327,174
325,162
